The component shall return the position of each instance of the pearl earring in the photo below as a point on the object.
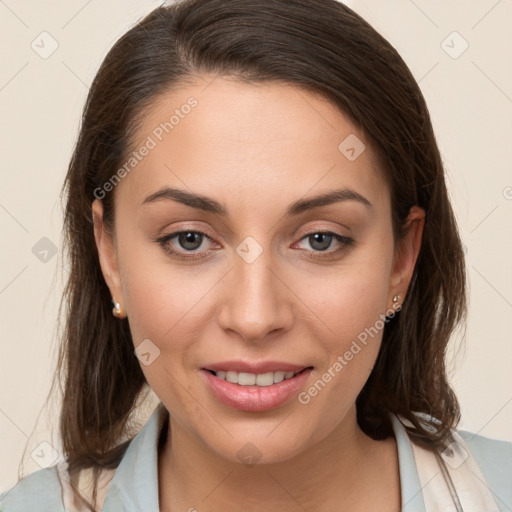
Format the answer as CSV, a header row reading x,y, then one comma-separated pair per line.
x,y
396,302
117,311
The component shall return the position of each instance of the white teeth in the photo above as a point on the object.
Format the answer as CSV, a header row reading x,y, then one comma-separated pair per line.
x,y
278,377
251,379
264,379
246,379
232,377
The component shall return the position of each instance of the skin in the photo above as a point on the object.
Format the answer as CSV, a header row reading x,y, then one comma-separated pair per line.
x,y
256,149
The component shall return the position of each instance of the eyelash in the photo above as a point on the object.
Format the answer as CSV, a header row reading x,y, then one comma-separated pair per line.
x,y
346,242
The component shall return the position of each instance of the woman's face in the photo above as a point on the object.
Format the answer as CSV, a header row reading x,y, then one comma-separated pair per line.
x,y
269,279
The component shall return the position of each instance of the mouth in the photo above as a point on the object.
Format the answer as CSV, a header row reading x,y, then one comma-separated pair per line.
x,y
255,379
255,392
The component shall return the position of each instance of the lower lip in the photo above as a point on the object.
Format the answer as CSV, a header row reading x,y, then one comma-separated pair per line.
x,y
256,398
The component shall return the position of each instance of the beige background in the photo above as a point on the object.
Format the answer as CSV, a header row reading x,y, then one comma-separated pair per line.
x,y
470,98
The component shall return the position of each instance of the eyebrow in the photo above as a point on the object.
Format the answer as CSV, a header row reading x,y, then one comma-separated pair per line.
x,y
210,205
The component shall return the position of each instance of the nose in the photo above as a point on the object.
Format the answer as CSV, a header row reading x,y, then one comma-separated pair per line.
x,y
256,301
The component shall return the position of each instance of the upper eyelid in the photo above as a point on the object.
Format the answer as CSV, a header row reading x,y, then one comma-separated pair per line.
x,y
327,231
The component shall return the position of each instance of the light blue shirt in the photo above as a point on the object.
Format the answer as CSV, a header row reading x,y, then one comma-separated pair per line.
x,y
134,487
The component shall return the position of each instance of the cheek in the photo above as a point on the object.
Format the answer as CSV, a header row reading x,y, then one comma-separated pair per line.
x,y
351,305
160,294
351,297
166,304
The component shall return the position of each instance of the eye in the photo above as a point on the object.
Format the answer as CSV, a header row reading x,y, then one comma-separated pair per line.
x,y
321,241
180,243
186,244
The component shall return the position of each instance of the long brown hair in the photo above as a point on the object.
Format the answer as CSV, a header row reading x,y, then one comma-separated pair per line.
x,y
320,45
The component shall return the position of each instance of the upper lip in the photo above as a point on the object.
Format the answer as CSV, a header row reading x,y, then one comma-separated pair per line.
x,y
255,366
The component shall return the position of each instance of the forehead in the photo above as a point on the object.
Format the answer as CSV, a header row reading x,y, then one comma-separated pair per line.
x,y
250,139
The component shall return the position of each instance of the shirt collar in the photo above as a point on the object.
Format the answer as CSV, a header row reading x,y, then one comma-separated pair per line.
x,y
410,487
134,486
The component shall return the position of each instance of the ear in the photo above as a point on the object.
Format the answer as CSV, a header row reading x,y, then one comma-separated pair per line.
x,y
406,254
107,253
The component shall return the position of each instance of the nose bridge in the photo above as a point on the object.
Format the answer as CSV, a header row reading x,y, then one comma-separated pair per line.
x,y
256,302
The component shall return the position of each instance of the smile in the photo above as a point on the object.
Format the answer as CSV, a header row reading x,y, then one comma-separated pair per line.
x,y
252,379
255,392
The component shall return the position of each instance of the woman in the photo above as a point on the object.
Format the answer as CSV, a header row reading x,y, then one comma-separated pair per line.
x,y
259,232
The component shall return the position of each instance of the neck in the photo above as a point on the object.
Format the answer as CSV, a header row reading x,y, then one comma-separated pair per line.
x,y
345,467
